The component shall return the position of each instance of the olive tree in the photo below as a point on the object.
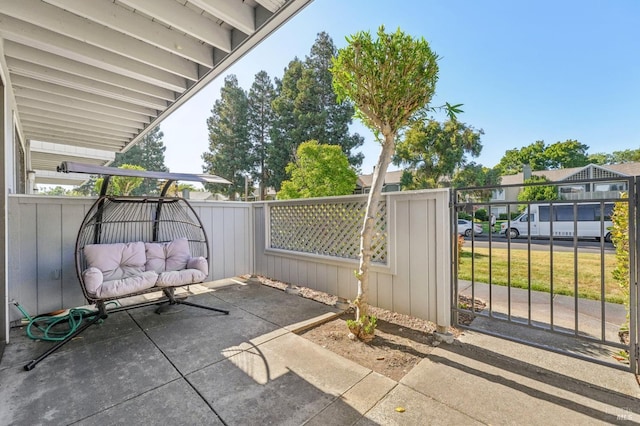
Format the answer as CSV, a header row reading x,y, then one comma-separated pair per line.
x,y
390,80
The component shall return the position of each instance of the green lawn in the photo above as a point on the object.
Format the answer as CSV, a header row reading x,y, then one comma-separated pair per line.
x,y
517,267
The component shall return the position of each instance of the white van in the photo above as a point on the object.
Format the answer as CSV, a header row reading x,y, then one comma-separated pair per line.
x,y
562,220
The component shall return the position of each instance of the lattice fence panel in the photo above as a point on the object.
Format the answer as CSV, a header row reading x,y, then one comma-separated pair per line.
x,y
329,229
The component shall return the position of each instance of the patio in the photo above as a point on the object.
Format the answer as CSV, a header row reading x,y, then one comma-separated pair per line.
x,y
198,367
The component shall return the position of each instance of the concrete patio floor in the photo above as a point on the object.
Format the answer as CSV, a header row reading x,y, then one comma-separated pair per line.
x,y
198,367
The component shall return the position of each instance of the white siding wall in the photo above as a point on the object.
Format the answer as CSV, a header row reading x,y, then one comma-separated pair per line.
x,y
416,281
42,237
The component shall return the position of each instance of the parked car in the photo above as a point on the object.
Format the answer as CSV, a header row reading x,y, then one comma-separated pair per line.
x,y
465,226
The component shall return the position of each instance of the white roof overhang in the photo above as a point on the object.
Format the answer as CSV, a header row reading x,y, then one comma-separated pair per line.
x,y
91,78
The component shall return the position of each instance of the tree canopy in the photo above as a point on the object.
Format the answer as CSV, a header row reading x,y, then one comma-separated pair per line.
x,y
320,170
122,185
322,115
473,174
433,151
540,156
476,175
538,192
616,157
563,155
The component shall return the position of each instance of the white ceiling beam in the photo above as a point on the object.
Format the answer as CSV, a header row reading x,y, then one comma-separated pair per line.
x,y
60,78
31,98
89,143
271,5
48,133
28,113
37,89
184,19
52,148
55,19
80,113
80,141
49,60
39,126
79,127
234,12
43,39
135,25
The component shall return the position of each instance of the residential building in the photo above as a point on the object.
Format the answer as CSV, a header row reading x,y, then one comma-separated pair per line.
x,y
391,182
573,183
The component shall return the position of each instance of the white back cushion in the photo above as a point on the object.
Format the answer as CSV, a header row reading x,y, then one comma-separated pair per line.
x,y
118,260
163,257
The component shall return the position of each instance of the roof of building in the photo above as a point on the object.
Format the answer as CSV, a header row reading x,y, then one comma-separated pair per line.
x,y
622,169
392,177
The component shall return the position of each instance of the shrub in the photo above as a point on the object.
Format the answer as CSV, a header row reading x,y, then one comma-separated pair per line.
x,y
620,238
364,329
464,215
481,215
460,244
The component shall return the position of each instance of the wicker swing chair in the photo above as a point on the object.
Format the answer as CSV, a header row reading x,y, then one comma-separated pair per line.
x,y
130,227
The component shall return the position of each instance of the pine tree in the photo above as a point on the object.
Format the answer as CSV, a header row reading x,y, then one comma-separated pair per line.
x,y
260,122
321,115
229,154
285,133
148,154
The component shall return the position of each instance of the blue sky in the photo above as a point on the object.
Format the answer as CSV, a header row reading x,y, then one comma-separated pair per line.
x,y
524,70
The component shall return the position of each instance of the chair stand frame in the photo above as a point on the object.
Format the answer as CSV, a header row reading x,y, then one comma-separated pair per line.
x,y
173,300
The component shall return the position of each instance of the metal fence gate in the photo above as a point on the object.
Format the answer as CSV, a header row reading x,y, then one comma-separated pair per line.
x,y
546,270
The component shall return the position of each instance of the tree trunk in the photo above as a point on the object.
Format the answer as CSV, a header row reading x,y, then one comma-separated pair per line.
x,y
366,235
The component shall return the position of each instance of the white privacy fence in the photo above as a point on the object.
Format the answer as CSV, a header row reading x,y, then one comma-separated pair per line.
x,y
314,243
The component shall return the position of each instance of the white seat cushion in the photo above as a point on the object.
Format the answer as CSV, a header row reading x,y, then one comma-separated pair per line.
x,y
178,278
129,285
97,287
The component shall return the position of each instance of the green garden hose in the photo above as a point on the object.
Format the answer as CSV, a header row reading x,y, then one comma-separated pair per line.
x,y
44,324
